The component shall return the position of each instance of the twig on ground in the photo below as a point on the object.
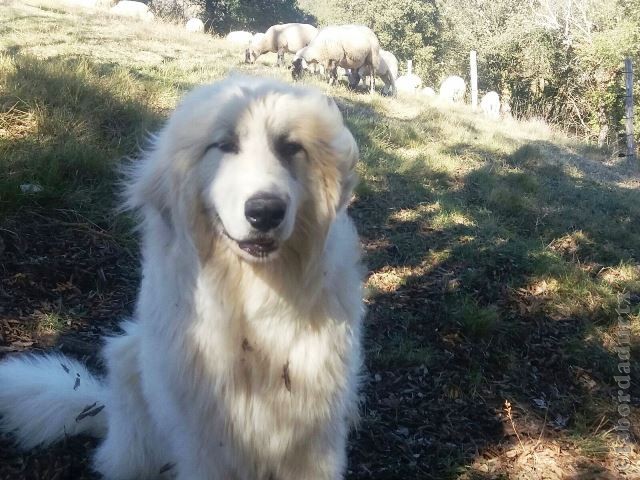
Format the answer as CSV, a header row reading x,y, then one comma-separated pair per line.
x,y
507,409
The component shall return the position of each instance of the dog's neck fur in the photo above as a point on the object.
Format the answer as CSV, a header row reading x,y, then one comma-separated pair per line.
x,y
294,280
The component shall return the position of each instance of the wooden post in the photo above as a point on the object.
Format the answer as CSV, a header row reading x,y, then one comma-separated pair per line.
x,y
628,107
409,66
474,80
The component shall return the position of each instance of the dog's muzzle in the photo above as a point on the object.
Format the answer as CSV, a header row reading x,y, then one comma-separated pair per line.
x,y
265,212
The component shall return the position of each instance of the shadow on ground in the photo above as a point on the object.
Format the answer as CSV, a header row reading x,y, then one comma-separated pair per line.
x,y
488,286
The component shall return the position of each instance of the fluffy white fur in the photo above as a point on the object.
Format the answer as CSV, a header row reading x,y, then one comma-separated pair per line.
x,y
237,366
288,37
239,37
346,46
490,105
194,25
44,395
452,89
132,9
387,70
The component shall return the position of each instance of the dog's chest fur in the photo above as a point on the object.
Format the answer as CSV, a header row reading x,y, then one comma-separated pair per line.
x,y
275,376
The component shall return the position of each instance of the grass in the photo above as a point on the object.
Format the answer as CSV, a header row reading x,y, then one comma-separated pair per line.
x,y
497,250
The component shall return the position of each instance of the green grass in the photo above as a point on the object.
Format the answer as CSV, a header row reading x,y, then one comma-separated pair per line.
x,y
77,96
506,243
51,323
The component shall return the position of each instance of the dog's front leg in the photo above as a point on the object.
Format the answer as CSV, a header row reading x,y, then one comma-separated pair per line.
x,y
186,418
132,449
325,459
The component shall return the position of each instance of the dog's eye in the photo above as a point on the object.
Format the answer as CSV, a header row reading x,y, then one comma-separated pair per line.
x,y
289,149
226,146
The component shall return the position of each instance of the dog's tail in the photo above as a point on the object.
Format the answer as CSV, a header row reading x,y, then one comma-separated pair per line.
x,y
47,397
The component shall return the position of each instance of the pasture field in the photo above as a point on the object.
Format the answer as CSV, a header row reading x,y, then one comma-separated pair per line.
x,y
497,253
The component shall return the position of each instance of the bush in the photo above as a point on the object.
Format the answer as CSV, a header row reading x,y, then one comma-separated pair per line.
x,y
223,16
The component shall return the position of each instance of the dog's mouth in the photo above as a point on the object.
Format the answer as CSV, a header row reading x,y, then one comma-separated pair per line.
x,y
259,248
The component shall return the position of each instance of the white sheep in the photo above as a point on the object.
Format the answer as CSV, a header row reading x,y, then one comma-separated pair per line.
x,y
195,25
428,92
316,68
257,37
408,83
387,70
490,105
289,37
346,46
239,37
452,89
131,9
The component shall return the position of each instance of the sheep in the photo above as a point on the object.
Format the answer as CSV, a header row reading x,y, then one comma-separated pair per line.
x,y
346,46
387,71
452,89
316,68
304,66
131,9
256,39
408,83
239,37
195,25
490,105
289,37
428,92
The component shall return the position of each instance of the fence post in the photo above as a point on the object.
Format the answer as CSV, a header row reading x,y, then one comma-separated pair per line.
x,y
474,80
628,107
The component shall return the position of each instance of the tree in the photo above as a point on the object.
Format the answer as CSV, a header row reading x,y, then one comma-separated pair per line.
x,y
254,15
596,36
223,16
558,59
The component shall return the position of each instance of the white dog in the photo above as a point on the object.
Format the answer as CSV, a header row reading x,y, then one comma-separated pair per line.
x,y
242,361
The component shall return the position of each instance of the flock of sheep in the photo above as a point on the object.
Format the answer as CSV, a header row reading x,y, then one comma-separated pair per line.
x,y
339,50
353,51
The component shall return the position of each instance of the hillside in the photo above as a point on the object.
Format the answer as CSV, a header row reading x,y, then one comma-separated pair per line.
x,y
497,252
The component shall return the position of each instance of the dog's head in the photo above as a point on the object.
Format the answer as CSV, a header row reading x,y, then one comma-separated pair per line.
x,y
253,163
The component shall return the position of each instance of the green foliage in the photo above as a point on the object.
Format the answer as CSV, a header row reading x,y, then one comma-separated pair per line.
x,y
69,119
547,61
223,16
254,15
562,65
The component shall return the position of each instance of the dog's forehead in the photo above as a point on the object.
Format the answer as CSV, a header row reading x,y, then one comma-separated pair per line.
x,y
246,106
286,112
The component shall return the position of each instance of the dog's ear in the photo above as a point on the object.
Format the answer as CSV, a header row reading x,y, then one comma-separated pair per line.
x,y
343,151
346,149
146,185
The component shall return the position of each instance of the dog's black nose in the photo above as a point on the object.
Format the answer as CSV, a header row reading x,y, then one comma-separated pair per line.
x,y
265,211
